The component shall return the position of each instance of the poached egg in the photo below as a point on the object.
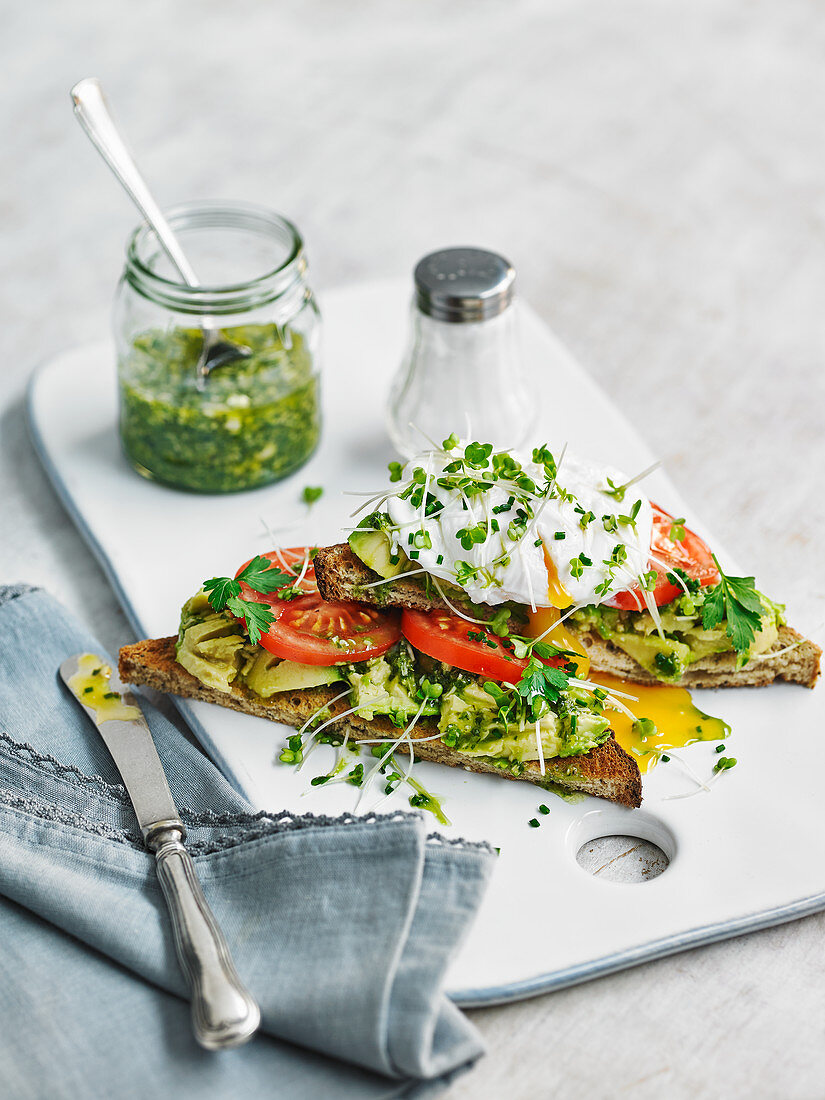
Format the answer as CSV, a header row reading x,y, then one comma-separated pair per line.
x,y
575,539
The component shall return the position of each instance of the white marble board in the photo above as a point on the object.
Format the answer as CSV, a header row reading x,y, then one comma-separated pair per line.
x,y
749,854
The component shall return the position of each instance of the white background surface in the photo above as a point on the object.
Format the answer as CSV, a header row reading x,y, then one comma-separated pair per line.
x,y
157,545
654,170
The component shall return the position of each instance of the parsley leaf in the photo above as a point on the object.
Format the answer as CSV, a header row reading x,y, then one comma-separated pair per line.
x,y
736,600
262,576
539,684
224,593
221,589
257,616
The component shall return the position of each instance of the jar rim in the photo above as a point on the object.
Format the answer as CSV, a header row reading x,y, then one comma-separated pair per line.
x,y
209,298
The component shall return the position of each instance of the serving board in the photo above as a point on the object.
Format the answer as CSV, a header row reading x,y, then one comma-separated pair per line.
x,y
545,922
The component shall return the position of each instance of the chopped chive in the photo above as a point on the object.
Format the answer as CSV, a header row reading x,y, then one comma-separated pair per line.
x,y
87,690
533,823
544,809
439,559
560,535
719,748
666,759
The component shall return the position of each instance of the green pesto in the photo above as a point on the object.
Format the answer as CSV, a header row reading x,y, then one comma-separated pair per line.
x,y
426,800
256,421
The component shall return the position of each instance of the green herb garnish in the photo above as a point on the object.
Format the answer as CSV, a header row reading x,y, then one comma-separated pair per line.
x,y
724,762
224,593
312,493
540,685
736,600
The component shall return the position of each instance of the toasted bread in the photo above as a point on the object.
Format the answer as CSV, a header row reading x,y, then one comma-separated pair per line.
x,y
341,575
607,771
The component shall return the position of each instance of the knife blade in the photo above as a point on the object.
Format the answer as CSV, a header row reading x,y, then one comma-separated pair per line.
x,y
224,1014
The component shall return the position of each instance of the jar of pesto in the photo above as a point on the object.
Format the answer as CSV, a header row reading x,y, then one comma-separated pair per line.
x,y
246,423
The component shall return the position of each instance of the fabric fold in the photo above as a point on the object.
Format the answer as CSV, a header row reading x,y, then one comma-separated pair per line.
x,y
343,929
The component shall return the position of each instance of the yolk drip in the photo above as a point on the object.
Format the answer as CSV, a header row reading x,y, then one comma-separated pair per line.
x,y
542,623
556,593
678,721
90,684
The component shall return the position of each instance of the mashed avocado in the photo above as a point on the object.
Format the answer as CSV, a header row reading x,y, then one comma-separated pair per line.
x,y
211,644
388,685
685,639
213,647
470,722
399,685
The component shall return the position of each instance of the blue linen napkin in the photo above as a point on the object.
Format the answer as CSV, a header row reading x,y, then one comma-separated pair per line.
x,y
342,928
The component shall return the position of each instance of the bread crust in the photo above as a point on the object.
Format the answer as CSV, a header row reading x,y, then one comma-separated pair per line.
x,y
606,771
341,575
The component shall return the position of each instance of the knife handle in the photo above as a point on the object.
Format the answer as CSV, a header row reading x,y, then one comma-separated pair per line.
x,y
224,1014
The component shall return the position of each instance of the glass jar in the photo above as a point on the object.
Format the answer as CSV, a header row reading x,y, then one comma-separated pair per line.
x,y
246,423
462,372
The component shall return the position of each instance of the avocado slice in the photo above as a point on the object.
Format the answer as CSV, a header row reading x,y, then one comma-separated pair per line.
x,y
267,674
371,542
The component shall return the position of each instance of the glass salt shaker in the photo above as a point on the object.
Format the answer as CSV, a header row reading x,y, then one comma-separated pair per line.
x,y
462,371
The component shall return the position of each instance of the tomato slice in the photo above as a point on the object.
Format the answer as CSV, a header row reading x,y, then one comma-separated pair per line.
x,y
291,560
313,631
468,646
692,554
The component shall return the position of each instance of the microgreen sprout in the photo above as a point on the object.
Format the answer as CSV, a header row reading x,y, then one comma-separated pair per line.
x,y
618,491
312,493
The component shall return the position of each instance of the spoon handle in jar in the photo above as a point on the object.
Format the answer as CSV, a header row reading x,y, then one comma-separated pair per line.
x,y
93,114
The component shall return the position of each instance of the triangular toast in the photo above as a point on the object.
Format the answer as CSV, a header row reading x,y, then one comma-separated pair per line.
x,y
606,771
341,575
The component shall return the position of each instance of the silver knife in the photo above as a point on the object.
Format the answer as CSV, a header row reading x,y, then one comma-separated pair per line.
x,y
224,1014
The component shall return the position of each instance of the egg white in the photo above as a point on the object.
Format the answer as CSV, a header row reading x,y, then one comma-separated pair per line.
x,y
524,579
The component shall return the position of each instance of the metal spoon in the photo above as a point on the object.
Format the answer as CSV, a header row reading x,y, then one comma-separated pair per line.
x,y
93,114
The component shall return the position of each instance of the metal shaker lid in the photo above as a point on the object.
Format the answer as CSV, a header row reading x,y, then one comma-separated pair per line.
x,y
463,284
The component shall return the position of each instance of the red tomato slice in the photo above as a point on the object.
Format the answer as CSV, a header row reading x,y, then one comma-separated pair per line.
x,y
691,554
313,631
445,637
291,561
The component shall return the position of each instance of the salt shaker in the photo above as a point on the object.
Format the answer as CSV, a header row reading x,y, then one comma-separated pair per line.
x,y
462,371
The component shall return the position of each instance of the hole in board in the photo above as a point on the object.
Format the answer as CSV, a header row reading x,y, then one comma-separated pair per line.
x,y
622,858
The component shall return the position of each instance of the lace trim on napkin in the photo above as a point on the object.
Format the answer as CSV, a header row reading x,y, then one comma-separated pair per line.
x,y
12,591
250,826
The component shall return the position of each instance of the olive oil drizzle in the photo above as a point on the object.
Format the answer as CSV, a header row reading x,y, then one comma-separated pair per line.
x,y
91,685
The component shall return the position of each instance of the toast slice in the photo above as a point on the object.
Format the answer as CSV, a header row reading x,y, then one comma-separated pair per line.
x,y
606,771
341,575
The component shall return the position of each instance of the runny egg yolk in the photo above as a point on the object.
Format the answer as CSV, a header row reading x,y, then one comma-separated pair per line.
x,y
556,593
678,721
544,623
